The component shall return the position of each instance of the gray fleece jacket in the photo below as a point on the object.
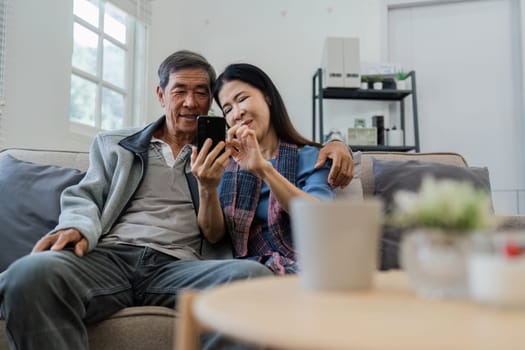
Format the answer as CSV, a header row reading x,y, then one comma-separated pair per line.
x,y
117,160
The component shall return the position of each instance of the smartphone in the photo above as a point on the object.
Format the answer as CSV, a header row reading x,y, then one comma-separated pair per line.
x,y
210,127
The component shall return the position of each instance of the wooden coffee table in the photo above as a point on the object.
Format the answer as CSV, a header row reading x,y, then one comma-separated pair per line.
x,y
278,313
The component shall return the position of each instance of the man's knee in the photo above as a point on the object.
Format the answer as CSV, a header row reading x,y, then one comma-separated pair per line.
x,y
249,269
33,273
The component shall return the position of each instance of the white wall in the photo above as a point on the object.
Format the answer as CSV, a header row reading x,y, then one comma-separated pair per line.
x,y
38,68
490,120
285,38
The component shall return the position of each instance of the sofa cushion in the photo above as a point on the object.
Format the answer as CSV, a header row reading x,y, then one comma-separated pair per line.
x,y
391,176
30,203
142,327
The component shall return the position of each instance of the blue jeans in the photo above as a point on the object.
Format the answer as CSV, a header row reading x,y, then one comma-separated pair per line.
x,y
47,298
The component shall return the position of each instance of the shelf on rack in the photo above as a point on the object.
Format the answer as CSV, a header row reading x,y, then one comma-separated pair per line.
x,y
368,94
381,148
388,93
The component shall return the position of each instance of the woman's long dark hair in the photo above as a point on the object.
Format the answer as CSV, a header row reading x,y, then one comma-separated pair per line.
x,y
279,118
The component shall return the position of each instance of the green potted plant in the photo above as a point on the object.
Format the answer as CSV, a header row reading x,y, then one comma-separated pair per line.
x,y
440,218
401,80
364,82
377,82
453,206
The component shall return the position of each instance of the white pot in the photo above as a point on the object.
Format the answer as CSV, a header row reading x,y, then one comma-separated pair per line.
x,y
378,86
364,85
402,85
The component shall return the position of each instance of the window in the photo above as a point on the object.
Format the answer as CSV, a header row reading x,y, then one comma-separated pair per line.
x,y
107,67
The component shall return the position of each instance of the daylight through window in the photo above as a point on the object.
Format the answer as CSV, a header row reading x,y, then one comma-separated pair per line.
x,y
105,67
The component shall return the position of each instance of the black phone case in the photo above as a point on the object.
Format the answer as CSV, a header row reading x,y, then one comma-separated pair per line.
x,y
210,127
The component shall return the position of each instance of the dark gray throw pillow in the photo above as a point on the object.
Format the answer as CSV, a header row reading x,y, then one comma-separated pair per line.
x,y
29,204
391,176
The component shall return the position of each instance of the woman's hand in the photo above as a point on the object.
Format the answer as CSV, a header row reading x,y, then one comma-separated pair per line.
x,y
208,167
242,142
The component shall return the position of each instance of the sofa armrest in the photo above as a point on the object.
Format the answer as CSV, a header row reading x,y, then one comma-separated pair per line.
x,y
511,222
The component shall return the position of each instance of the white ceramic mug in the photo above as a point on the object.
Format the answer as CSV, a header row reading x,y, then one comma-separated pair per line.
x,y
337,242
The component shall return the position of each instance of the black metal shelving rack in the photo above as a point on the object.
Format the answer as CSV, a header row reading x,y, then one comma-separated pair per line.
x,y
319,94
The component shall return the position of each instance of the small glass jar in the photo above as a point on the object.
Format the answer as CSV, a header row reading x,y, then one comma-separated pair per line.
x,y
435,261
496,268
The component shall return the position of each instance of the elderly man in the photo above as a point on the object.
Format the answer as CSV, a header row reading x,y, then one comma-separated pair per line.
x,y
127,234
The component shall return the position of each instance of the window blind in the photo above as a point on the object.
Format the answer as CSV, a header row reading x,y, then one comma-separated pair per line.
x,y
3,20
3,13
140,9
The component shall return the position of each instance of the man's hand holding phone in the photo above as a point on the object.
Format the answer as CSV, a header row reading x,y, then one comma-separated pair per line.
x,y
210,127
209,158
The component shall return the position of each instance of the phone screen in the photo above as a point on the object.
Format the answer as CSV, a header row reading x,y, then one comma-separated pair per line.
x,y
210,127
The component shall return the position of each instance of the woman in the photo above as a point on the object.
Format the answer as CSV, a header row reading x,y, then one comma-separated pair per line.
x,y
271,163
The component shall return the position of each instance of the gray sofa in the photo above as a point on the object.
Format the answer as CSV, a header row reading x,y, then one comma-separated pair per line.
x,y
134,328
153,327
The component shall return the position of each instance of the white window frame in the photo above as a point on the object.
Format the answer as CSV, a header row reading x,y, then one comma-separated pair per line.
x,y
131,109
